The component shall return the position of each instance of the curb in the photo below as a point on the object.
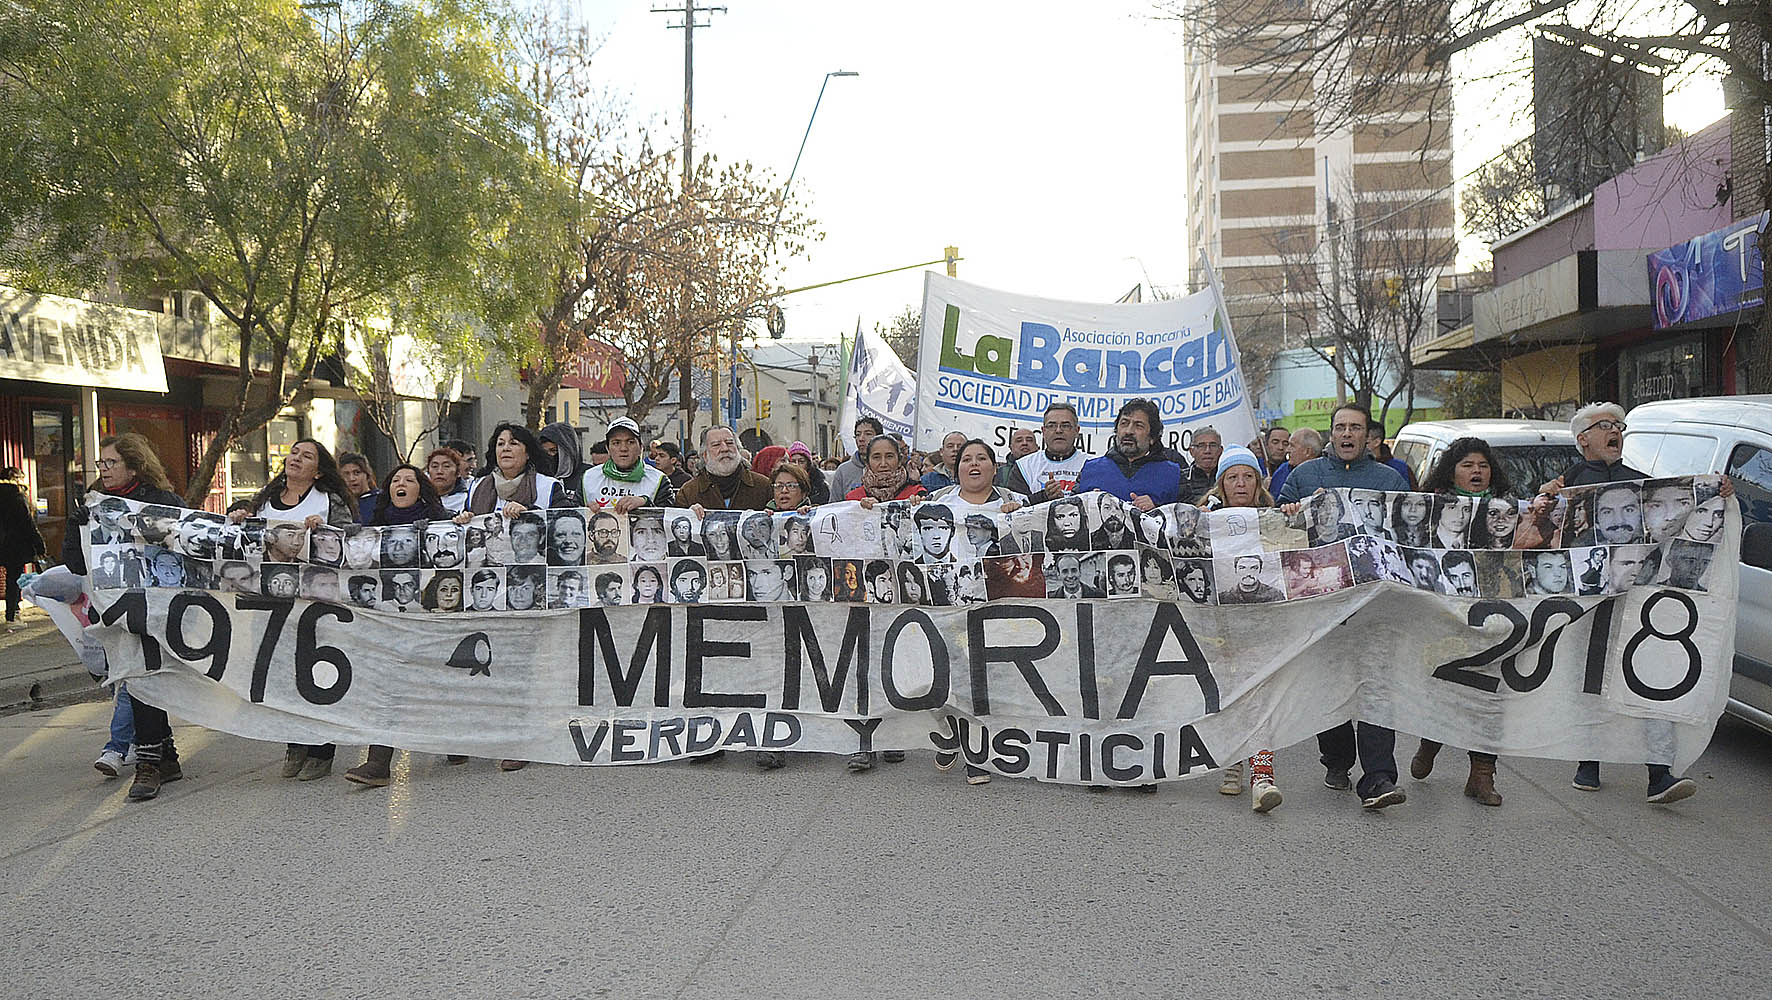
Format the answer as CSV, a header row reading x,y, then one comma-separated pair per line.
x,y
40,680
70,682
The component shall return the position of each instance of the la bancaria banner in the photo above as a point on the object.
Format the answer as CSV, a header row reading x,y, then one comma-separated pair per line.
x,y
1076,641
992,360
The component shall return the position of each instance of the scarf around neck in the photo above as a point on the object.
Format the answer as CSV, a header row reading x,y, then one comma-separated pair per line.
x,y
883,485
495,487
634,475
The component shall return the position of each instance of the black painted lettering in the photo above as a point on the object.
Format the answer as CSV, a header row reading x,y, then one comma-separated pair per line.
x,y
1168,622
800,645
1011,749
701,649
780,730
937,694
1053,739
742,733
665,733
1086,682
695,742
625,748
587,749
1193,751
983,653
596,642
864,728
1112,742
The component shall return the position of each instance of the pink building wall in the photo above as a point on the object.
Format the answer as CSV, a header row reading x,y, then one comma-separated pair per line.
x,y
1666,199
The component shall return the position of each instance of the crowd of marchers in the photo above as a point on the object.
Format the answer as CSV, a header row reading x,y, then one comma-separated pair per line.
x,y
522,470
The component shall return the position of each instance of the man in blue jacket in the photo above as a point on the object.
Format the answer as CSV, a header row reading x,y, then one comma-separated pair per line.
x,y
1347,463
1136,468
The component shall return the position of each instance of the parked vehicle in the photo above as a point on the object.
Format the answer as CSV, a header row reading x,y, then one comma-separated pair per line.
x,y
1532,450
1733,435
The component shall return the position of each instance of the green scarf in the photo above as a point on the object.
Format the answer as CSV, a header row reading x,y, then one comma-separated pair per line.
x,y
632,476
1467,493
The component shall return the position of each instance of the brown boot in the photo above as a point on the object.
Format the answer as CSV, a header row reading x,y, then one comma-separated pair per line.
x,y
1481,784
374,771
1423,764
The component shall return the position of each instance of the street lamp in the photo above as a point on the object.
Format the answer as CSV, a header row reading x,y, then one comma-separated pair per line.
x,y
789,186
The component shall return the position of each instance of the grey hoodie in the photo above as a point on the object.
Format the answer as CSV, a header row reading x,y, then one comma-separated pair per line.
x,y
569,462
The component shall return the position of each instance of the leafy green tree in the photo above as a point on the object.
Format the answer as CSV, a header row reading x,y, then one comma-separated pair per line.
x,y
300,165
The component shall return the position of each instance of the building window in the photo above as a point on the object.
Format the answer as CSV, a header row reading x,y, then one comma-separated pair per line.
x,y
256,457
1679,369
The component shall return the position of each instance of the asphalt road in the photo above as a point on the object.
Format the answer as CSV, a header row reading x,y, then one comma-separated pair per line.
x,y
721,881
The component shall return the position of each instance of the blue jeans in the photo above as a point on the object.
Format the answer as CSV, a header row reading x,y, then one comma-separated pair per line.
x,y
1376,746
122,722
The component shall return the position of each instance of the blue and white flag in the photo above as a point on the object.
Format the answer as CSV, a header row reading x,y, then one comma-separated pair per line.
x,y
879,386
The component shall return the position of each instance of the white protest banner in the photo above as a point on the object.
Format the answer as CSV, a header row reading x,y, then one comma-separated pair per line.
x,y
1116,650
993,360
879,386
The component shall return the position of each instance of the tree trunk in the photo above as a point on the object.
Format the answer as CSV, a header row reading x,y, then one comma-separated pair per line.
x,y
544,388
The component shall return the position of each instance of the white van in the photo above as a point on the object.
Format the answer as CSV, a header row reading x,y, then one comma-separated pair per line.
x,y
1534,451
1731,434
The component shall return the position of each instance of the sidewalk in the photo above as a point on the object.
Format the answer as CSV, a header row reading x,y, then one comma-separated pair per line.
x,y
38,667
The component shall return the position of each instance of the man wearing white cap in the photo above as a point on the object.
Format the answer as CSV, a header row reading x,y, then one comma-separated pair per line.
x,y
624,482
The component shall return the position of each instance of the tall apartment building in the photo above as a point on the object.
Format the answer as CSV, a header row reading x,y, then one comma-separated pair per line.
x,y
1263,166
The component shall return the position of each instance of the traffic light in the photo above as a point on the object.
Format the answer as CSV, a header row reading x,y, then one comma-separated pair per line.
x,y
763,409
1393,290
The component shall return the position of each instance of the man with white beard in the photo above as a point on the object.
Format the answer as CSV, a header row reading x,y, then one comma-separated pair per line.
x,y
724,482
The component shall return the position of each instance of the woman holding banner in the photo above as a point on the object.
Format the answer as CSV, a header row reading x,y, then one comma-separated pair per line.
x,y
512,484
1469,470
885,477
976,492
976,469
406,497
309,491
128,467
1239,485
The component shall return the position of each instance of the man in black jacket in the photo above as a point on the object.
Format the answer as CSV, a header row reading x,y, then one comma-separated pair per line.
x,y
1599,433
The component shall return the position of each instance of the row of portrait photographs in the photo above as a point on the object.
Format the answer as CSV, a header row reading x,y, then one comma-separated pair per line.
x,y
1652,511
178,545
1250,578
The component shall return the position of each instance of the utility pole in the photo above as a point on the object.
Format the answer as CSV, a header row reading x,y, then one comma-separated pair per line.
x,y
1336,350
685,397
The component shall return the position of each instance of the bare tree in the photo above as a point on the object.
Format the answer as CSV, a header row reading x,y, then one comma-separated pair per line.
x,y
1363,290
904,334
620,254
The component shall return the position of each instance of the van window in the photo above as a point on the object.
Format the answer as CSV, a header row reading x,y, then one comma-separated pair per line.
x,y
1530,466
1681,455
1414,455
1751,468
1639,449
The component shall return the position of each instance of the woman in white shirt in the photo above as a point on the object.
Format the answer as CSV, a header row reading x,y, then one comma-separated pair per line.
x,y
308,491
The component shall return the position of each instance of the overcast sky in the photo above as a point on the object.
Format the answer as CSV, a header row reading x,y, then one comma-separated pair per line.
x,y
1044,138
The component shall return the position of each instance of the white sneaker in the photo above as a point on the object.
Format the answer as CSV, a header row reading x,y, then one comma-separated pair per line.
x,y
109,763
129,756
1232,782
1264,795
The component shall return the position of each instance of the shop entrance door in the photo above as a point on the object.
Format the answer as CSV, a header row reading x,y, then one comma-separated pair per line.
x,y
57,468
